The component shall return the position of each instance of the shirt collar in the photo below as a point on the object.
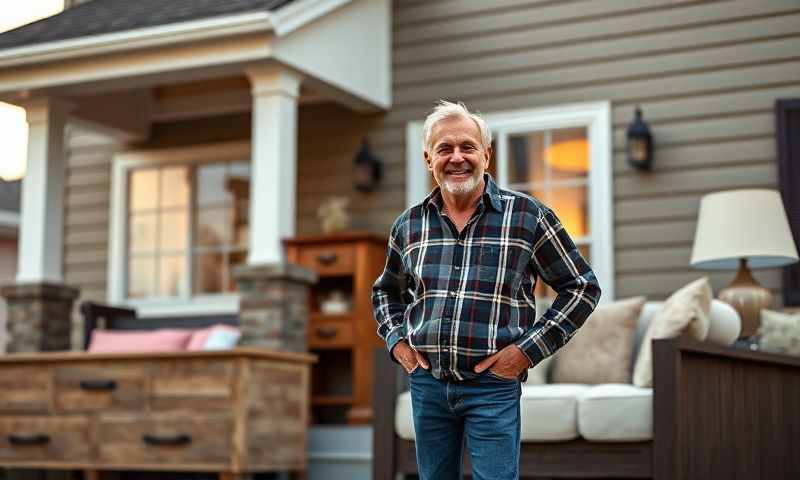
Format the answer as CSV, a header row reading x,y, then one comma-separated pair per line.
x,y
490,191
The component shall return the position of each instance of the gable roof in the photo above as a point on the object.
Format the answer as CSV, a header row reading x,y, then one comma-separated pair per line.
x,y
98,17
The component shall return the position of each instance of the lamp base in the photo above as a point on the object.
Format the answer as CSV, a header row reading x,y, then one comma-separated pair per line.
x,y
748,298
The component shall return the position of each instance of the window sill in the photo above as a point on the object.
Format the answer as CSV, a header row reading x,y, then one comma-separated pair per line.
x,y
222,304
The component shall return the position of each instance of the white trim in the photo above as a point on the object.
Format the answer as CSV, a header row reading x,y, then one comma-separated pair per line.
x,y
596,117
280,22
123,162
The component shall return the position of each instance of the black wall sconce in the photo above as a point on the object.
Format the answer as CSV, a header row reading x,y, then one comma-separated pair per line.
x,y
639,147
368,169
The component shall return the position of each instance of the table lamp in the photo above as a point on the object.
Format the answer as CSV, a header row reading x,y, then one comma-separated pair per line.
x,y
743,229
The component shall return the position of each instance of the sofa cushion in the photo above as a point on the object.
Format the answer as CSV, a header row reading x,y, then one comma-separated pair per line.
x,y
160,340
601,350
549,413
616,412
685,312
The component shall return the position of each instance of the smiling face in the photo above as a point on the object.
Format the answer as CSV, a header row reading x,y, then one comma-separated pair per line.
x,y
456,155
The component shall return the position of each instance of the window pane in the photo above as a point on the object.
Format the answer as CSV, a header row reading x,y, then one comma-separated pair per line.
x,y
526,158
212,227
211,185
208,271
141,277
174,231
142,232
143,189
235,258
170,275
174,187
568,153
570,206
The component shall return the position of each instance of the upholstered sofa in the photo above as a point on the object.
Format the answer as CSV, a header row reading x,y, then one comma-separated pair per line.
x,y
568,430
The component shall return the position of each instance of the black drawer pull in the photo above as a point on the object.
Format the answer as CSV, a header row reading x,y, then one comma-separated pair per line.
x,y
98,384
326,332
327,258
180,439
38,439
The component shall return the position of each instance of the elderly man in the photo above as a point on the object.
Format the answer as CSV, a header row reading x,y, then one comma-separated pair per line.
x,y
455,301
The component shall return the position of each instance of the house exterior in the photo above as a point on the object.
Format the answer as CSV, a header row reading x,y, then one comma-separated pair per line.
x,y
270,100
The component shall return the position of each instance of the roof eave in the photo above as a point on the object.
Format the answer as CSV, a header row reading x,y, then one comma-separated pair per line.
x,y
139,38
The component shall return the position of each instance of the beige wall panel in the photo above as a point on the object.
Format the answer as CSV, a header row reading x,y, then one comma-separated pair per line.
x,y
650,67
94,178
652,259
641,235
718,154
644,210
421,11
87,217
82,277
759,175
593,29
89,157
661,285
555,56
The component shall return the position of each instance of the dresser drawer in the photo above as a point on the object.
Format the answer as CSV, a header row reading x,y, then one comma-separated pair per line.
x,y
87,388
200,385
165,439
330,334
25,389
329,260
36,438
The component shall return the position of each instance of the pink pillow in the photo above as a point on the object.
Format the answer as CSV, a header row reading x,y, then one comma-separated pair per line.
x,y
160,340
215,337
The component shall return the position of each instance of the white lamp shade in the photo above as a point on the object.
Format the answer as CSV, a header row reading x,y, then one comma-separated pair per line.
x,y
737,224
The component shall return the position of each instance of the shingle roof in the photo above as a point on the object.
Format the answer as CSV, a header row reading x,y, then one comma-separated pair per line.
x,y
109,16
10,195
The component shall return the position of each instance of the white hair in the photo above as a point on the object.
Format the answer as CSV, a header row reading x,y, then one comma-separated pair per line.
x,y
444,110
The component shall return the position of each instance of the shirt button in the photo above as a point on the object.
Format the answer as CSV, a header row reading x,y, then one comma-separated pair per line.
x,y
452,294
457,267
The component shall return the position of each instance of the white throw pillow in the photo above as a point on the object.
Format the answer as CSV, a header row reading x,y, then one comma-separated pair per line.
x,y
685,311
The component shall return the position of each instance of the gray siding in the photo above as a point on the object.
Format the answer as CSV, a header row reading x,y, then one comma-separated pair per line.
x,y
705,73
86,220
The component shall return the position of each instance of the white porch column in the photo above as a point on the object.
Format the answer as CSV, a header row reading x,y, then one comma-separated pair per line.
x,y
42,204
274,162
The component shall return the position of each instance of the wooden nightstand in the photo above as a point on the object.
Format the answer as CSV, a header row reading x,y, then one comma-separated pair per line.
x,y
344,342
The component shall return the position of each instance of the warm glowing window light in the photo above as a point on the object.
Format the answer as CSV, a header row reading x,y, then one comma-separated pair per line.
x,y
13,126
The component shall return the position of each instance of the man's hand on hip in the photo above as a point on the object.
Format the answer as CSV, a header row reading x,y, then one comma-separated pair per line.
x,y
508,362
408,357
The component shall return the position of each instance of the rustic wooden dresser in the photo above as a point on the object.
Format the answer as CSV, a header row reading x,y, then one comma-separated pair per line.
x,y
234,412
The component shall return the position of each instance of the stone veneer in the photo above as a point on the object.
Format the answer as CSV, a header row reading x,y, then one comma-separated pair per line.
x,y
39,316
273,307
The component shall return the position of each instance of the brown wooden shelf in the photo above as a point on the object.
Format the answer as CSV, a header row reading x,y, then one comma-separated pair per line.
x,y
327,400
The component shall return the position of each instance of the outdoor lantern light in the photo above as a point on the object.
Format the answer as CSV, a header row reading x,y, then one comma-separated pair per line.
x,y
368,169
639,148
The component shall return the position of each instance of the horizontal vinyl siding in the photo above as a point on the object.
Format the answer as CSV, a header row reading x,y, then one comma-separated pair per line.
x,y
88,186
706,74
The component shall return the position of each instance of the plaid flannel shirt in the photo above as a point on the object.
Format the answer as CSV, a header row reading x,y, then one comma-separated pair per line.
x,y
460,297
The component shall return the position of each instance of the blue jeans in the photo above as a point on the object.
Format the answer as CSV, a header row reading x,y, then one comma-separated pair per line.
x,y
485,411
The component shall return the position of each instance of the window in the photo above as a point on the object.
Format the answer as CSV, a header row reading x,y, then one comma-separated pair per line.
x,y
180,227
561,156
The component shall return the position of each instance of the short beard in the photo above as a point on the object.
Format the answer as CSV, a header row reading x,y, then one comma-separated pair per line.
x,y
461,188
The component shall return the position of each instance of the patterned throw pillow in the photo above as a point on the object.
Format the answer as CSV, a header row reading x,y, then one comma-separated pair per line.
x,y
601,350
685,311
215,337
779,332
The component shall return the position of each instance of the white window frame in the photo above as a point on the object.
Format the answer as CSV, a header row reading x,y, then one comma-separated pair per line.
x,y
596,118
123,163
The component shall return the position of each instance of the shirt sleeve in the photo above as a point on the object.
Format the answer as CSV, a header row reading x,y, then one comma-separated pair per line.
x,y
559,263
388,304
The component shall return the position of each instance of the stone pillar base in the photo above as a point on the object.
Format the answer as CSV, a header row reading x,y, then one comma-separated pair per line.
x,y
273,307
39,316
